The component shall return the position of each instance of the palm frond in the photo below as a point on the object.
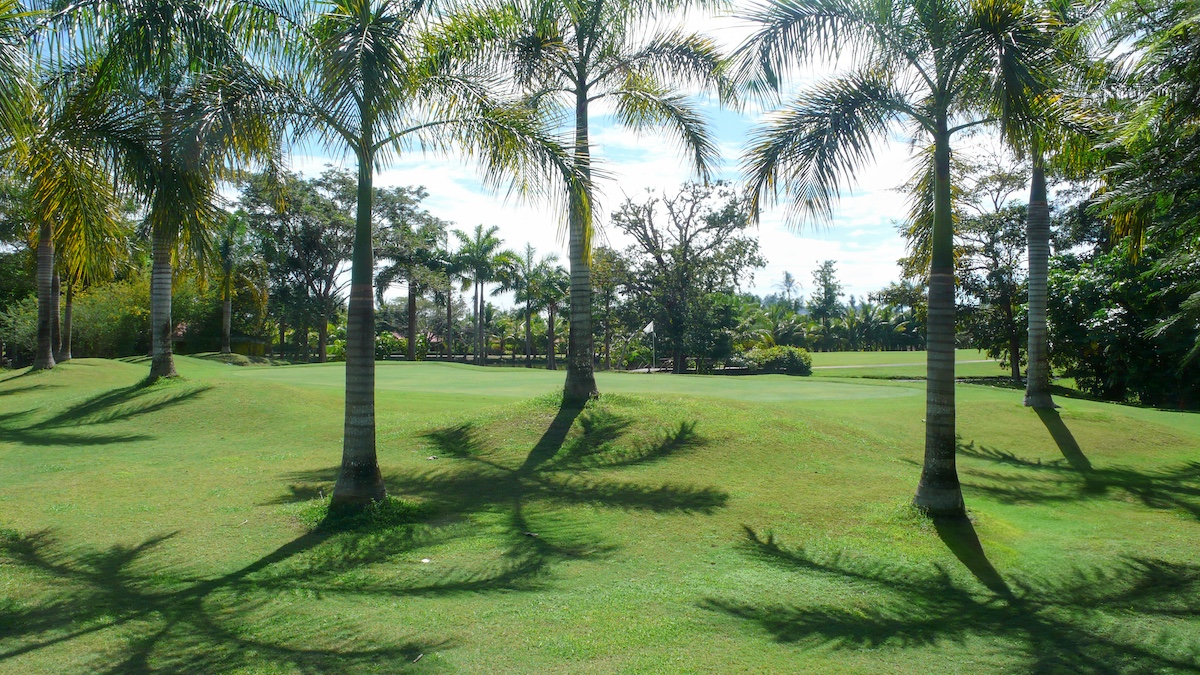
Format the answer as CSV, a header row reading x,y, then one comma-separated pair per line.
x,y
809,150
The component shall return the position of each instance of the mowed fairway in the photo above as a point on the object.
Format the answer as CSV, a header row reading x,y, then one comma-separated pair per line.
x,y
678,524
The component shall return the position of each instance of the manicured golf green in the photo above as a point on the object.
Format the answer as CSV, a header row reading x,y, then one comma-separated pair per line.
x,y
679,524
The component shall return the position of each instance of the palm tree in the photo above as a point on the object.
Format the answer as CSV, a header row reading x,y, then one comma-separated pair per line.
x,y
523,278
174,99
232,252
72,204
929,64
553,285
480,256
1053,132
577,53
372,78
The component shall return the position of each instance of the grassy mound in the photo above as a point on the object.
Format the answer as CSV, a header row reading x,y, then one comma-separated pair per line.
x,y
677,524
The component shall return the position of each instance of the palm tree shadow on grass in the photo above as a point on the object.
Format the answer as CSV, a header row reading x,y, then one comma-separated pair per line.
x,y
516,501
74,425
1123,618
1071,480
162,621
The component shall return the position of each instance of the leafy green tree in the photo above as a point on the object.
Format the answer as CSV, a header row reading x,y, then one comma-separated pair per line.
x,y
932,65
575,54
687,249
825,303
306,234
71,205
408,237
991,272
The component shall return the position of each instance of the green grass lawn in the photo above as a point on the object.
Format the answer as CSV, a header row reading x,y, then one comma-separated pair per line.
x,y
679,524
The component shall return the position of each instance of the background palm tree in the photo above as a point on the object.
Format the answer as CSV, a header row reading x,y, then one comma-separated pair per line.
x,y
933,65
175,101
573,54
553,285
72,206
410,242
371,77
480,256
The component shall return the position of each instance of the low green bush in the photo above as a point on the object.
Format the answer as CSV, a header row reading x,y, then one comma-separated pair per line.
x,y
778,359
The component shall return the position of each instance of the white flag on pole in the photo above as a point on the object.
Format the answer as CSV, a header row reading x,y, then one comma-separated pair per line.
x,y
649,328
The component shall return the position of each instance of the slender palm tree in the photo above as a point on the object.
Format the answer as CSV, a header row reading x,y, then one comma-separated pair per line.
x,y
231,252
553,285
373,77
1063,132
941,66
573,54
481,257
174,99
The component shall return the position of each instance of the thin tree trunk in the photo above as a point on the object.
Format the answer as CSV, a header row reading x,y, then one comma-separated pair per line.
x,y
680,361
43,359
528,334
1037,384
550,339
56,314
64,352
226,311
411,352
483,338
939,493
282,338
607,335
323,339
478,323
449,321
580,384
1014,356
359,481
162,363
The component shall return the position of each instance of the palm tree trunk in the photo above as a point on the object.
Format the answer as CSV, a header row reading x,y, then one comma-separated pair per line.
x,y
449,320
64,352
581,378
226,312
56,314
478,322
483,338
528,334
43,359
939,493
1037,385
411,352
359,481
550,339
162,363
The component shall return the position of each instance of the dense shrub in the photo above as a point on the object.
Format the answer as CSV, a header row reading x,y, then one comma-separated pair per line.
x,y
779,359
1105,321
387,344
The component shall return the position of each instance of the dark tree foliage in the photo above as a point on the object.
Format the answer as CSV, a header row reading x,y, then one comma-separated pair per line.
x,y
992,279
1107,332
690,255
305,228
825,303
409,238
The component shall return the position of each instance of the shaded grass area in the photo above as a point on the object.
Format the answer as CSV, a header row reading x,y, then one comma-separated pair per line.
x,y
687,524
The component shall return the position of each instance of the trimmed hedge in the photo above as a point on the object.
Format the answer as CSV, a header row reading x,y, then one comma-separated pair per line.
x,y
779,359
